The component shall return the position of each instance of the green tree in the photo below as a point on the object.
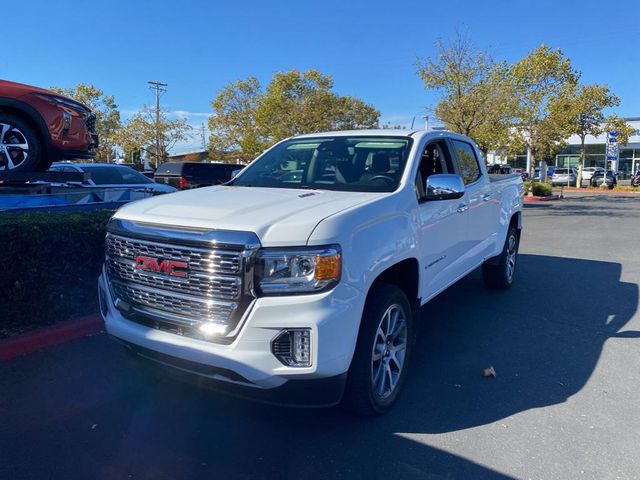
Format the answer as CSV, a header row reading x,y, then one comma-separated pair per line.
x,y
140,133
107,116
584,105
541,81
476,94
248,118
233,124
613,123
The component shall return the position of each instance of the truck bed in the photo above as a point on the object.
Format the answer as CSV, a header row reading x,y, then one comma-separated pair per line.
x,y
500,177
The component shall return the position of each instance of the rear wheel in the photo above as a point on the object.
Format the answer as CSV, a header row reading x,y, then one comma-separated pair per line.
x,y
20,147
498,272
379,364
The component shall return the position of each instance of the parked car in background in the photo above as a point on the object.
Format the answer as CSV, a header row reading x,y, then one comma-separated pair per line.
x,y
188,175
587,172
520,171
113,176
566,177
38,127
500,169
610,179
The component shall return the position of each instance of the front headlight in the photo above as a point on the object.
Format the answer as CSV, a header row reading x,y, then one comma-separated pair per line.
x,y
290,271
67,102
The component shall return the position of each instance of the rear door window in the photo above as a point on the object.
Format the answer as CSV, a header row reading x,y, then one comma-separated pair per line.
x,y
467,161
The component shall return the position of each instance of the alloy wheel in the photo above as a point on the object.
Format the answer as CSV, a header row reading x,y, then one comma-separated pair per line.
x,y
14,147
389,351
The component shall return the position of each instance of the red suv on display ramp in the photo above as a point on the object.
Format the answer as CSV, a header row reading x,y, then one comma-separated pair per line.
x,y
38,127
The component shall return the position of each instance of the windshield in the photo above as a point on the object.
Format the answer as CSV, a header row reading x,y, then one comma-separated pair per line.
x,y
103,175
352,164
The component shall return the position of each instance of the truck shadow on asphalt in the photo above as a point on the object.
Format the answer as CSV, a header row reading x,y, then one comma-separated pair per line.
x,y
543,337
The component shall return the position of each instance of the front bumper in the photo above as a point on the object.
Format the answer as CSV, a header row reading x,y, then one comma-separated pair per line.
x,y
246,366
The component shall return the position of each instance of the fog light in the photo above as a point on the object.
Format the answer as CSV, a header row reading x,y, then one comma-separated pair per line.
x,y
210,329
293,347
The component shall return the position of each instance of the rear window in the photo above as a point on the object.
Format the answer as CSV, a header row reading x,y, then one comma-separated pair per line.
x,y
173,168
115,175
213,170
560,171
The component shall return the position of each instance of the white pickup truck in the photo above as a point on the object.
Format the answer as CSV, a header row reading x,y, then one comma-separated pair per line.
x,y
300,281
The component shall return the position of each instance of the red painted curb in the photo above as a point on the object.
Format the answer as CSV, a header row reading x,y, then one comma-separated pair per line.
x,y
541,199
60,333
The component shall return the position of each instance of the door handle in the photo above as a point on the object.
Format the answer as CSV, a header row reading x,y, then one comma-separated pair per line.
x,y
487,197
463,207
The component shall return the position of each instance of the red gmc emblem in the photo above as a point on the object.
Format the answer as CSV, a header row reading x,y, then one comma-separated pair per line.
x,y
168,267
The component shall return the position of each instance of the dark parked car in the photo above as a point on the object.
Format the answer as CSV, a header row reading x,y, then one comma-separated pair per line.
x,y
498,168
194,175
38,127
596,179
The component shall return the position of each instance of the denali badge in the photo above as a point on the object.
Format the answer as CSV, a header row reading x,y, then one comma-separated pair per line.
x,y
169,267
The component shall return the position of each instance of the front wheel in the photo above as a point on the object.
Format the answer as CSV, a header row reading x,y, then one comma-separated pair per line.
x,y
20,147
379,364
498,272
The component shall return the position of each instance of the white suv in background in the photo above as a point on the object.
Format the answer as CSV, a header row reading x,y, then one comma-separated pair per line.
x,y
588,172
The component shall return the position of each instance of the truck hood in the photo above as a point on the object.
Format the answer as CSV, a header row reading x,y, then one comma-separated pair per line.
x,y
279,217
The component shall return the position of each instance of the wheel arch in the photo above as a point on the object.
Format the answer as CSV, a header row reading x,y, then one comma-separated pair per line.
x,y
29,115
404,274
516,220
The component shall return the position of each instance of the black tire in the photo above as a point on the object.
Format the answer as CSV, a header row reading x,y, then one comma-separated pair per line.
x,y
361,395
19,132
498,273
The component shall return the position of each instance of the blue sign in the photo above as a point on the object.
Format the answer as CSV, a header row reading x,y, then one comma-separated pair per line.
x,y
613,149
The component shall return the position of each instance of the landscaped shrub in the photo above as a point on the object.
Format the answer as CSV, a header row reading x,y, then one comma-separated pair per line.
x,y
540,189
50,263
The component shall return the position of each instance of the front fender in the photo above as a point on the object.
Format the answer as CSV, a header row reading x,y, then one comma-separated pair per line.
x,y
373,237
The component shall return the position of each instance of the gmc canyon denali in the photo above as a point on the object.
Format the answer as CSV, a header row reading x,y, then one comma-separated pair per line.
x,y
299,282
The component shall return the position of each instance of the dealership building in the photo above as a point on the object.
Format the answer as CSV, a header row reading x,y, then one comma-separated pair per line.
x,y
595,147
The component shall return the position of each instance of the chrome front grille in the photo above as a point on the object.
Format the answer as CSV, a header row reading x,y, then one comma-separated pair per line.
x,y
201,284
199,259
214,287
192,310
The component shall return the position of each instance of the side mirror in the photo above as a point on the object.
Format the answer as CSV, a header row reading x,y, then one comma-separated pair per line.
x,y
235,172
443,187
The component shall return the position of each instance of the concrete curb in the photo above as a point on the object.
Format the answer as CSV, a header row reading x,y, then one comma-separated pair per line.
x,y
548,198
46,337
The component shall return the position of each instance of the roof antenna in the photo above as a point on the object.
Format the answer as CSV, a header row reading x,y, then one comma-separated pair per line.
x,y
412,121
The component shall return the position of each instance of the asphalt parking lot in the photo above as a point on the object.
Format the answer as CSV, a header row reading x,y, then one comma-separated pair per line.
x,y
565,343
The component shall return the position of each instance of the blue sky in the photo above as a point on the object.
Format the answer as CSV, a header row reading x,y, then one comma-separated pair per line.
x,y
369,47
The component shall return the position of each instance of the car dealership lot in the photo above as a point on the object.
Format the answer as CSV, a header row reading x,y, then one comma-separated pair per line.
x,y
564,343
